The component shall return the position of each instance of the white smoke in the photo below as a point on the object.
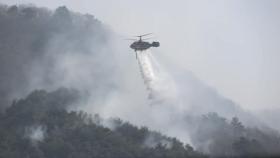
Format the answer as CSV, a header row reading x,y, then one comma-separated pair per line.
x,y
35,133
153,140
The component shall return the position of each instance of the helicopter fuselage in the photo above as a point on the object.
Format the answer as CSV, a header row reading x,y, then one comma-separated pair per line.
x,y
142,45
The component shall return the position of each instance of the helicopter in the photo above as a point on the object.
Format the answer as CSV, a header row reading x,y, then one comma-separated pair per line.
x,y
141,45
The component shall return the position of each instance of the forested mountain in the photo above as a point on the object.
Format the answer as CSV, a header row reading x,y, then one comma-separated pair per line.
x,y
39,126
44,49
36,44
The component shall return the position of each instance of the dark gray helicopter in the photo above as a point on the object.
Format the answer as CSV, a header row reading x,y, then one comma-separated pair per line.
x,y
141,45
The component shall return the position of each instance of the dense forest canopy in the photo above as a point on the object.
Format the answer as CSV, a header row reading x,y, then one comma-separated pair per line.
x,y
34,45
40,126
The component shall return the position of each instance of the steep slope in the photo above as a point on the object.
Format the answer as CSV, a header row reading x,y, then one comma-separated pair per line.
x,y
39,47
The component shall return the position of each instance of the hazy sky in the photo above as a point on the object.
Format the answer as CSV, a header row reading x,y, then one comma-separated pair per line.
x,y
232,45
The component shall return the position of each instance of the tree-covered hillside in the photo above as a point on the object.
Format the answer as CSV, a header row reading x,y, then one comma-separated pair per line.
x,y
45,49
220,137
41,126
37,43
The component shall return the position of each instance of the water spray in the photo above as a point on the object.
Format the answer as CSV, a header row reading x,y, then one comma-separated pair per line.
x,y
147,72
158,83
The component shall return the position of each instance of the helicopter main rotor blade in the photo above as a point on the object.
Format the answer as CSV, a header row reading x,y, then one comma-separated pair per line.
x,y
148,38
131,39
144,35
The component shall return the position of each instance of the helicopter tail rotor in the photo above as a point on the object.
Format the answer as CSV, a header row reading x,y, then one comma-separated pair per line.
x,y
155,44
